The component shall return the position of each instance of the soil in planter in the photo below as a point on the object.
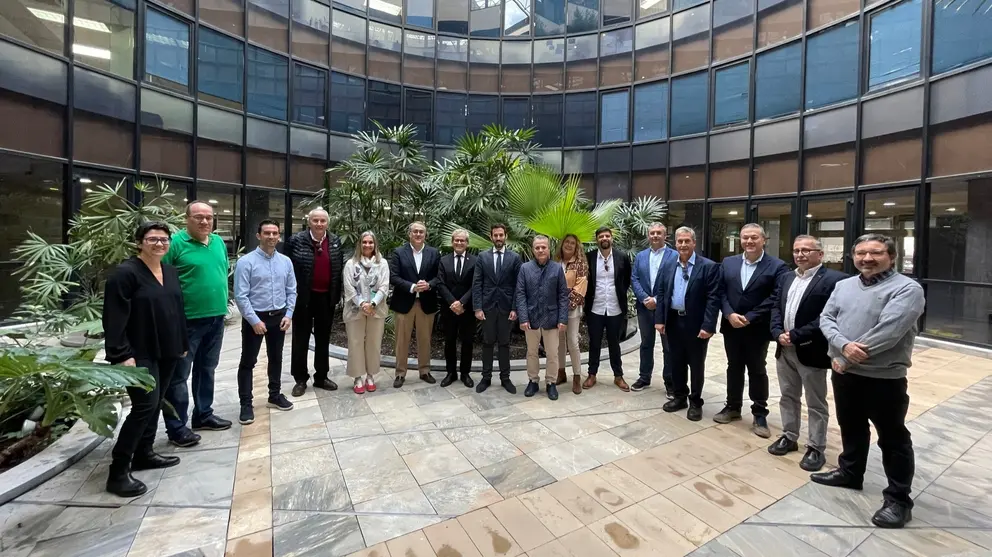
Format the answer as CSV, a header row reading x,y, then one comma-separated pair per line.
x,y
17,450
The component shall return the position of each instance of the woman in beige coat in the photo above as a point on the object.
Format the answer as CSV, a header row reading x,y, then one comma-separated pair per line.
x,y
573,260
366,285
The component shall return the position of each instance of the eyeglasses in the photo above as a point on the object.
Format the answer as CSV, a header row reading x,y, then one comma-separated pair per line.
x,y
158,240
202,218
874,253
803,251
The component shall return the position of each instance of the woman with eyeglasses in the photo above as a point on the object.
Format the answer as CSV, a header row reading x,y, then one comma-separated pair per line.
x,y
576,277
366,284
144,325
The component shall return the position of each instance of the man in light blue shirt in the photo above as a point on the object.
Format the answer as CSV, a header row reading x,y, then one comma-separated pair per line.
x,y
644,279
265,292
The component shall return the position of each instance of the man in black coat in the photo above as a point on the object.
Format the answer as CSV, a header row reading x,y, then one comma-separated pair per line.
x,y
606,305
801,351
318,263
689,297
748,286
454,283
413,274
493,288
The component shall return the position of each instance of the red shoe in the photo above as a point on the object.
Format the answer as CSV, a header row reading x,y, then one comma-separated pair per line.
x,y
369,384
359,387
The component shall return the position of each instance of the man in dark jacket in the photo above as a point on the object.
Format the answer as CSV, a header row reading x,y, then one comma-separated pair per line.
x,y
413,274
542,306
606,305
454,284
801,352
493,289
318,263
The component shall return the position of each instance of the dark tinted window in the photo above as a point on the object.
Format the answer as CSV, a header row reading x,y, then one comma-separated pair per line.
x,y
450,120
309,90
516,113
452,16
776,82
962,34
689,100
384,104
166,51
832,65
583,15
894,45
419,105
482,111
348,108
614,117
580,119
220,67
546,115
268,79
651,111
730,101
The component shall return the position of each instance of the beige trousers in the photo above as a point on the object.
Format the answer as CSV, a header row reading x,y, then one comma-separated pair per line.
x,y
534,337
364,345
405,323
569,339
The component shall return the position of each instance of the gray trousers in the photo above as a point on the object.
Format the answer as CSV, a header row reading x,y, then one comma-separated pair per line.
x,y
793,377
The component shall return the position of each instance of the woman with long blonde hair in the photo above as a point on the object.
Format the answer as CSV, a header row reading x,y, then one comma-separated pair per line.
x,y
572,258
366,285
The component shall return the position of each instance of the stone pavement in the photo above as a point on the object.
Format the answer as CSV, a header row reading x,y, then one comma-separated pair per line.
x,y
423,471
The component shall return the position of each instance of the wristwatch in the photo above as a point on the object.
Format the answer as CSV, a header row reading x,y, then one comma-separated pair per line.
x,y
373,304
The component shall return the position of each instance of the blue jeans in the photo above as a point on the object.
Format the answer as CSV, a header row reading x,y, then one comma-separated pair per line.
x,y
205,336
645,324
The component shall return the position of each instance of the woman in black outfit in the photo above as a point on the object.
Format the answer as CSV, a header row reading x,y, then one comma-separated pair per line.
x,y
144,325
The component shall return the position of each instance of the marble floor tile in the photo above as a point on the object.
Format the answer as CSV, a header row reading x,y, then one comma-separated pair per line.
x,y
204,530
529,436
360,451
62,487
290,467
541,408
379,550
283,447
252,474
407,419
448,538
209,487
658,471
854,507
981,538
487,401
713,549
316,493
466,420
77,520
944,514
604,447
450,408
612,498
686,524
552,514
553,548
486,450
702,508
286,423
635,531
564,460
931,542
390,401
437,463
256,446
573,427
461,494
516,476
378,479
832,541
490,537
250,512
339,408
967,485
320,535
774,476
413,441
522,525
766,541
731,504
258,544
426,396
193,462
579,503
792,510
738,488
584,543
458,434
111,541
644,434
354,427
502,415
414,544
394,515
875,546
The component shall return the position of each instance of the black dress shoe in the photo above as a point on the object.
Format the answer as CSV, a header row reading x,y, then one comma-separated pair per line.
x,y
325,384
813,461
532,388
150,460
483,384
212,423
449,379
299,389
398,382
120,482
509,386
675,405
837,478
428,378
185,438
467,380
782,446
694,414
892,515
552,392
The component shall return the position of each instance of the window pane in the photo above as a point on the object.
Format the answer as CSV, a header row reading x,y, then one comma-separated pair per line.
x,y
730,105
106,42
613,121
779,20
686,214
823,12
549,17
348,108
832,65
228,15
419,106
678,5
647,8
583,15
580,119
733,28
311,30
385,45
420,13
962,34
220,66
452,63
616,12
227,213
309,89
691,38
348,43
651,111
388,10
267,77
166,51
614,57
581,63
515,70
651,56
482,111
484,18
726,220
105,115
452,16
450,121
30,200
893,214
547,112
689,96
959,231
516,113
384,105
166,134
549,56
776,82
418,58
35,22
516,18
263,205
484,66
268,23
826,220
958,312
894,47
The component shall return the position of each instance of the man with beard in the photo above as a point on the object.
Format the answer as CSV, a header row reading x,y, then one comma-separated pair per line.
x,y
606,305
318,263
870,323
493,288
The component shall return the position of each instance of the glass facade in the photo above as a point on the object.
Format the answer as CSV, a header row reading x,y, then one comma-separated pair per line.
x,y
833,117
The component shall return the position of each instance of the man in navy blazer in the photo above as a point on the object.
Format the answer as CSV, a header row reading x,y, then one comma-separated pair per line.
x,y
644,278
688,294
413,275
749,283
493,297
801,350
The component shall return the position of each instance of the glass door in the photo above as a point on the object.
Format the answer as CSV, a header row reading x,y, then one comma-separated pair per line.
x,y
827,219
777,217
726,220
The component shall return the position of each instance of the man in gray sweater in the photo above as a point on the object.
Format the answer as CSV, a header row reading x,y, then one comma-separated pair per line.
x,y
870,323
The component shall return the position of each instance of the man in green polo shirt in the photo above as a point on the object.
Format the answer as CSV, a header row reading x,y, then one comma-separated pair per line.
x,y
201,258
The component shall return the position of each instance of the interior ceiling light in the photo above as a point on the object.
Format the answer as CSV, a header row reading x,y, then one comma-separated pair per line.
x,y
85,181
91,51
889,204
872,212
56,17
951,209
732,213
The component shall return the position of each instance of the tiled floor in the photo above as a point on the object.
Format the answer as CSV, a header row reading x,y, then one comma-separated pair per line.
x,y
423,471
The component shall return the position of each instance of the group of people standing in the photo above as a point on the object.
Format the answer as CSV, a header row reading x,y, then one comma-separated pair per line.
x,y
165,311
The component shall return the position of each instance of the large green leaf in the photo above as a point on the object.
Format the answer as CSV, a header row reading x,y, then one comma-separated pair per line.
x,y
99,413
531,190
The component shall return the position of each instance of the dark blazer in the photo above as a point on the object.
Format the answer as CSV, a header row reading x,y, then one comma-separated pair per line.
x,y
811,345
403,275
452,288
299,248
542,295
703,295
621,279
755,301
640,278
491,292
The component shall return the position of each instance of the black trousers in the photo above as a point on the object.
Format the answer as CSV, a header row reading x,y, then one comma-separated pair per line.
x,y
138,431
747,349
614,330
884,402
688,354
251,343
458,328
496,334
306,319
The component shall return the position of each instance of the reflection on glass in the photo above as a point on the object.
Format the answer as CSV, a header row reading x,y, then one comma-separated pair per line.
x,y
516,18
776,219
894,215
268,22
959,225
894,44
227,214
228,15
549,17
268,75
483,110
450,117
106,42
613,118
452,16
348,108
515,71
549,55
311,30
484,66
823,12
616,12
37,22
730,103
733,26
547,114
614,57
30,199
420,13
580,119
651,56
832,65
691,38
779,20
385,44
583,15
452,63
418,58
309,87
516,113
484,19
580,61
825,220
166,51
689,94
726,220
651,111
384,105
777,85
958,312
960,34
419,107
220,66
646,8
348,34
686,214
388,10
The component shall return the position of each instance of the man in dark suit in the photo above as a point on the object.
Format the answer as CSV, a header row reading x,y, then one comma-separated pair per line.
x,y
688,294
606,305
644,279
454,284
493,288
801,351
413,274
748,286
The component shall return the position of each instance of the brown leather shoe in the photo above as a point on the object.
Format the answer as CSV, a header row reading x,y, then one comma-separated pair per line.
x,y
621,384
590,382
562,378
577,384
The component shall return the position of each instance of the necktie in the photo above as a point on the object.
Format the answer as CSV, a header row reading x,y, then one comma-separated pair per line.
x,y
458,267
499,261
